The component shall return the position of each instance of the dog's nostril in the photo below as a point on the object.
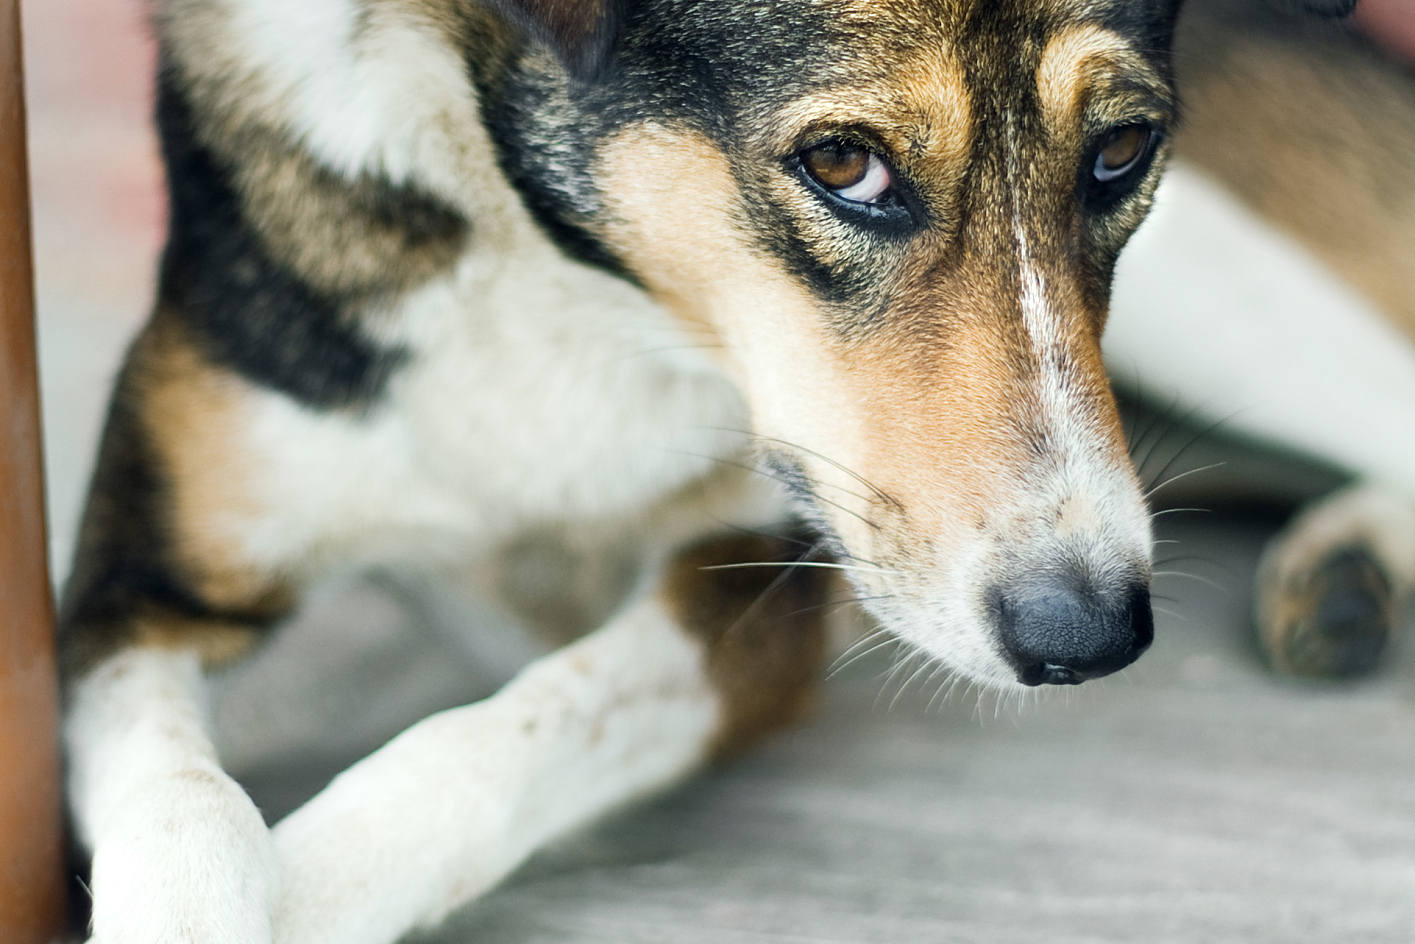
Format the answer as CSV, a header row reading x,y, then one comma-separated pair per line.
x,y
1142,619
1044,673
1059,635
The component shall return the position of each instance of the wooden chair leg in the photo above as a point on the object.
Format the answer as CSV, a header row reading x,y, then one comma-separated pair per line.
x,y
31,869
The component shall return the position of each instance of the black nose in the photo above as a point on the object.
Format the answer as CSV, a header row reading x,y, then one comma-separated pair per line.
x,y
1057,634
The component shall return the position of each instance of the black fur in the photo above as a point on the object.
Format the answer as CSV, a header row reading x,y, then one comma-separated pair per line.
x,y
581,33
248,312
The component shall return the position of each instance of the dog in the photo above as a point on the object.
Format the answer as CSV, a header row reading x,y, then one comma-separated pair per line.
x,y
721,298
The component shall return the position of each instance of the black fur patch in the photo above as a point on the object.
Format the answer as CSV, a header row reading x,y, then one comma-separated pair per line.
x,y
545,138
248,312
581,32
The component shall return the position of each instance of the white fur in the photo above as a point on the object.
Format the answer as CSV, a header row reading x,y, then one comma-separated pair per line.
x,y
448,808
180,853
578,358
443,471
365,93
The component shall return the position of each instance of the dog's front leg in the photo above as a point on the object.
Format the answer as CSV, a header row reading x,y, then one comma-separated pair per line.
x,y
180,852
446,810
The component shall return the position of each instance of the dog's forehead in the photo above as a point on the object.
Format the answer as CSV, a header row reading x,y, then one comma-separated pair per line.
x,y
996,46
752,58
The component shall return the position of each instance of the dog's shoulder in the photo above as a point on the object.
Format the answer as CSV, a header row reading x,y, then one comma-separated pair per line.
x,y
346,238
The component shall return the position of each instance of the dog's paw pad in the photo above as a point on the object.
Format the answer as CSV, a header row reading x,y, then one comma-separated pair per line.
x,y
1336,622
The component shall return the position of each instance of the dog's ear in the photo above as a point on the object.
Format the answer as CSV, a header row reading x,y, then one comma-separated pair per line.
x,y
580,32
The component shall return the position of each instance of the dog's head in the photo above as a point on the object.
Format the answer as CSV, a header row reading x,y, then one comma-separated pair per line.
x,y
899,219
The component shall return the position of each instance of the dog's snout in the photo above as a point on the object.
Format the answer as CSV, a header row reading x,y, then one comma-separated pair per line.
x,y
1059,634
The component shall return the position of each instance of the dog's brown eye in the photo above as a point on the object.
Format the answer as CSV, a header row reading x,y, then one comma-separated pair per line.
x,y
1121,150
848,170
837,165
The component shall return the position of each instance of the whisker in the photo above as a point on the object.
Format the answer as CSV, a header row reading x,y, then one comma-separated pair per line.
x,y
950,679
1204,580
899,666
813,545
1183,475
1223,569
837,603
1160,418
879,492
927,663
1168,422
765,534
1175,511
790,484
776,584
1185,448
821,564
854,514
1196,559
951,685
839,667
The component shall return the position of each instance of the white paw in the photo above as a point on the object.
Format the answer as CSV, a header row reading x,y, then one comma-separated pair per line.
x,y
191,862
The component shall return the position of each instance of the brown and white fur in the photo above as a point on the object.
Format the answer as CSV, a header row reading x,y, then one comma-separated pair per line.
x,y
449,276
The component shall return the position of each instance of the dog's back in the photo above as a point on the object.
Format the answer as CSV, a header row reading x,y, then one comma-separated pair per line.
x,y
1313,126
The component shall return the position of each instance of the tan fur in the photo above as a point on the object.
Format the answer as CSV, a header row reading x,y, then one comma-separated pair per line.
x,y
1075,62
763,630
215,643
896,406
734,291
194,416
329,229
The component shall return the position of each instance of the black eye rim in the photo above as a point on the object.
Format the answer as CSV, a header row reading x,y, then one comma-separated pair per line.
x,y
1103,193
899,210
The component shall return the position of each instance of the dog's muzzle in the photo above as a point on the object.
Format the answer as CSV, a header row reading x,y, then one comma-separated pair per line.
x,y
1057,633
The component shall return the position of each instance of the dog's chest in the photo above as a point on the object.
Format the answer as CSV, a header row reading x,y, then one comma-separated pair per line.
x,y
558,390
534,392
